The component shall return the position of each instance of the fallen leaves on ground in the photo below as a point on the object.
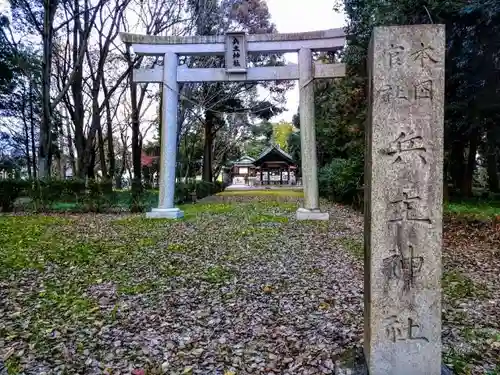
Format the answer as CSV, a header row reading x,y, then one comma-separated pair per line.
x,y
238,287
234,288
471,299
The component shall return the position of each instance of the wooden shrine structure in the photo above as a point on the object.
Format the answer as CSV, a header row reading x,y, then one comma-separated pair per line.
x,y
274,166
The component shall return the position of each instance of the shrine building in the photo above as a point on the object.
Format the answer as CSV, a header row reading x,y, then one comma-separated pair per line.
x,y
274,166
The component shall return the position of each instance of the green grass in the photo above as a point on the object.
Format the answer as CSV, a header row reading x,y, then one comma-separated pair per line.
x,y
266,218
474,209
457,286
462,360
50,263
299,193
218,274
354,246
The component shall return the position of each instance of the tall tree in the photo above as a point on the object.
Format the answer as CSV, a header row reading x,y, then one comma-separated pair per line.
x,y
213,18
473,28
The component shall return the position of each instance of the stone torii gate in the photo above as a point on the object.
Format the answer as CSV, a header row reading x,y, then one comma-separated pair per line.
x,y
236,46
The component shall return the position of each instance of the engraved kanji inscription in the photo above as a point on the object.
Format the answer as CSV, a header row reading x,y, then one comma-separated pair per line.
x,y
395,53
401,330
389,93
423,90
406,269
406,143
408,207
236,52
424,55
403,264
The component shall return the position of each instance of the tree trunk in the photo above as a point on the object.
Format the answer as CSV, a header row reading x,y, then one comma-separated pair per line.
x,y
491,157
77,93
471,164
102,154
457,161
207,149
44,149
70,149
136,150
61,163
27,146
26,140
111,150
118,179
90,170
32,131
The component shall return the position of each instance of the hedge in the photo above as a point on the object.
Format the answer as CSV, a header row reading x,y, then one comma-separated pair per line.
x,y
341,181
92,196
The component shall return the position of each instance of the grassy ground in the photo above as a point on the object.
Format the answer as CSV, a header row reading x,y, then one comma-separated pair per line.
x,y
474,209
230,287
238,285
270,192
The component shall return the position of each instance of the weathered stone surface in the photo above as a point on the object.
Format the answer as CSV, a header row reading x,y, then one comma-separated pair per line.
x,y
165,213
208,39
403,198
307,131
355,364
305,214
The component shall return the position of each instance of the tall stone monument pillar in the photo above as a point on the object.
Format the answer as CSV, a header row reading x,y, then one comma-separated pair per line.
x,y
403,195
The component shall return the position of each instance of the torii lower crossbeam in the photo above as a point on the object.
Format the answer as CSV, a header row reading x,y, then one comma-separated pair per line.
x,y
268,73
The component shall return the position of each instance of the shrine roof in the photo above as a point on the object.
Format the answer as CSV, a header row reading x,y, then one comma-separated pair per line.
x,y
276,149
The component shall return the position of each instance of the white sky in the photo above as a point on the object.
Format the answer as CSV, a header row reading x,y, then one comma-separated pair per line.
x,y
300,16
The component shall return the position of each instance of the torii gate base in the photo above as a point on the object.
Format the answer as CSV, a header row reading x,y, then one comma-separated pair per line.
x,y
235,46
305,214
165,213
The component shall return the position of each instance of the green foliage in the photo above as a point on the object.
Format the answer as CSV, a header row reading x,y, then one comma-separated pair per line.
x,y
8,67
203,189
136,198
474,209
95,196
472,28
294,149
218,274
10,190
261,138
44,193
353,245
458,286
267,192
471,108
340,180
100,196
263,130
281,134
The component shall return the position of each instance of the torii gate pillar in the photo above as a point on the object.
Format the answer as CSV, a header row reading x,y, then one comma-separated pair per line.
x,y
309,169
170,92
